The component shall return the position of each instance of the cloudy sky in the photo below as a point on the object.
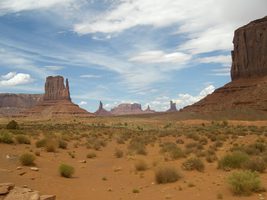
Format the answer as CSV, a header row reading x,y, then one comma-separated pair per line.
x,y
146,51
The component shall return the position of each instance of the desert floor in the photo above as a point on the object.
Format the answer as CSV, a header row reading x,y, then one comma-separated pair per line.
x,y
109,177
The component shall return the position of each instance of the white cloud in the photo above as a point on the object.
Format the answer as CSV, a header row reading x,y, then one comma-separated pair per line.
x,y
90,76
187,99
9,6
161,57
83,103
54,68
224,60
14,79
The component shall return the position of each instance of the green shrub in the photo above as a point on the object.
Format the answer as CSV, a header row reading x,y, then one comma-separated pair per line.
x,y
118,153
66,170
140,165
27,159
193,164
22,139
62,144
6,137
255,164
244,182
12,125
172,150
91,155
41,143
233,161
166,175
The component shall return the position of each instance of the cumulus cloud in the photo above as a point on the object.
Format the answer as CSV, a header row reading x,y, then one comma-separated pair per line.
x,y
14,79
187,99
161,57
83,103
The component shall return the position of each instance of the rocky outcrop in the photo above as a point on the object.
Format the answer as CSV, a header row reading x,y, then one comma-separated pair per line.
x,y
246,93
102,111
250,50
8,191
127,109
56,101
12,104
172,107
55,89
148,110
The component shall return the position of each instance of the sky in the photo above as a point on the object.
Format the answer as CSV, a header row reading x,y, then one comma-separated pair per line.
x,y
122,51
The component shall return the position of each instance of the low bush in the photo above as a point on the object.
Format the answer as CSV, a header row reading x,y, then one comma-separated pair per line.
x,y
166,175
12,125
233,161
91,155
41,143
62,144
244,182
66,171
27,159
6,137
194,164
255,164
22,139
140,165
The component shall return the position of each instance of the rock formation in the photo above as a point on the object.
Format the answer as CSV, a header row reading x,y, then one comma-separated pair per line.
x,y
247,90
56,101
127,109
148,110
250,50
8,191
172,107
12,104
102,111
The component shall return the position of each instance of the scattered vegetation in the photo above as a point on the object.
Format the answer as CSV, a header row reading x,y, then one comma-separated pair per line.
x,y
27,159
166,174
234,160
66,171
194,164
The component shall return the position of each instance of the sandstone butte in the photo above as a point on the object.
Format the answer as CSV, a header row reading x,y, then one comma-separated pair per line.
x,y
247,90
56,101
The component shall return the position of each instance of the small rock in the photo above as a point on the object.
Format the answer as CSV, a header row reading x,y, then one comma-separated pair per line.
x,y
22,173
36,169
82,161
110,189
5,188
117,169
19,168
48,197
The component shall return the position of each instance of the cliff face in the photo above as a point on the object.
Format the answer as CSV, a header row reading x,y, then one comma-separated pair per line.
x,y
12,104
55,89
247,90
250,50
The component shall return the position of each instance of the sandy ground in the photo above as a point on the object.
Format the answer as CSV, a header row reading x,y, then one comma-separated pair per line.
x,y
88,182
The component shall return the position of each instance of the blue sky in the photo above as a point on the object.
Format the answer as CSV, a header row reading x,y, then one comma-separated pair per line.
x,y
145,51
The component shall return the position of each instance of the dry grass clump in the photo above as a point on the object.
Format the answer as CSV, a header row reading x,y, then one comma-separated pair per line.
x,y
22,139
193,164
166,174
27,159
66,171
118,153
140,165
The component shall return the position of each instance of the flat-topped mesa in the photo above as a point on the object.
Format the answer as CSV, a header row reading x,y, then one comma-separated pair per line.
x,y
55,89
127,109
250,50
172,107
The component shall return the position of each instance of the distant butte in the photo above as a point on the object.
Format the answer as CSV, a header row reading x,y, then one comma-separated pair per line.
x,y
56,101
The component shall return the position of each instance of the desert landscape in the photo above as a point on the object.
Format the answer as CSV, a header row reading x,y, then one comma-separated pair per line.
x,y
212,148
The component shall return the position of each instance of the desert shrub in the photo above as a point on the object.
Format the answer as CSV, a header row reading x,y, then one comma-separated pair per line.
x,y
210,158
62,144
233,161
244,182
193,164
137,147
6,137
140,165
118,153
91,155
12,125
27,159
41,143
172,150
22,139
166,175
51,146
255,164
66,171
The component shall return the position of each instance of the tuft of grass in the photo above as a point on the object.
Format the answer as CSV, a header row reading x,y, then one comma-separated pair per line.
x,y
118,153
166,174
41,143
234,160
6,138
91,155
22,139
62,144
194,164
66,171
255,164
27,159
140,165
244,183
